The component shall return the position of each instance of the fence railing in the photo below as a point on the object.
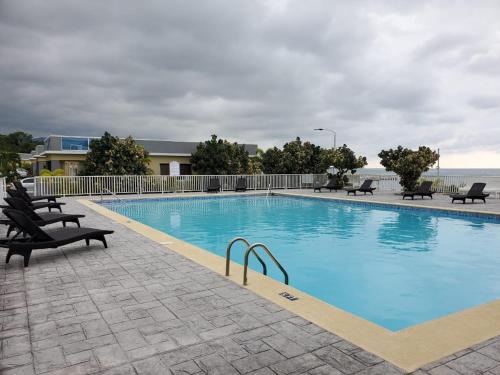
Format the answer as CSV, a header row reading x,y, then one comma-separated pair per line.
x,y
96,185
3,187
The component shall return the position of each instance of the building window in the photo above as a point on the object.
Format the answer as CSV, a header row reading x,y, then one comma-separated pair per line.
x,y
165,169
185,169
74,144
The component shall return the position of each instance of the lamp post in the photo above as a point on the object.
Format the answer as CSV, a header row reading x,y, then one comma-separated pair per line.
x,y
334,135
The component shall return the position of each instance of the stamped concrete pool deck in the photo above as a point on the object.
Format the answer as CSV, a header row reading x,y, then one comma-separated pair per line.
x,y
139,308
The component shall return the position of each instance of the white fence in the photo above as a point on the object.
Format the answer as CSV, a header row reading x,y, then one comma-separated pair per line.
x,y
3,187
96,185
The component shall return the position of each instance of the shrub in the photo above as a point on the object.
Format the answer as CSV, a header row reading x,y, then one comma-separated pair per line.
x,y
408,164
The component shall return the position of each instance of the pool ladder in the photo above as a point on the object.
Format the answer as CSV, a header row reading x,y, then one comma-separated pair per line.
x,y
251,249
104,190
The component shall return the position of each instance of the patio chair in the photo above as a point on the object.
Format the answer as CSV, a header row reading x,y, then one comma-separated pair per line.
x,y
424,190
332,184
41,219
241,184
213,185
35,205
364,188
475,192
19,187
40,239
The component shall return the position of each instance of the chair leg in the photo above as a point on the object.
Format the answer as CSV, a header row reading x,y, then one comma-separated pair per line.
x,y
103,240
64,224
60,209
77,221
27,256
9,254
87,241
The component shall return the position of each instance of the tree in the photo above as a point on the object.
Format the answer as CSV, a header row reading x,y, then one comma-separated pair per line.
x,y
10,145
296,157
343,159
255,163
238,159
301,157
114,156
408,164
219,157
17,142
305,157
8,165
272,161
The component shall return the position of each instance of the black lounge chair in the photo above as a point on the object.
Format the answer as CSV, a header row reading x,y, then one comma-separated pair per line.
x,y
33,198
35,205
332,184
424,190
213,185
40,239
475,192
364,188
241,184
41,219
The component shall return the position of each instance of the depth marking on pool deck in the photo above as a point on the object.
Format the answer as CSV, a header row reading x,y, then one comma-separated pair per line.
x,y
409,349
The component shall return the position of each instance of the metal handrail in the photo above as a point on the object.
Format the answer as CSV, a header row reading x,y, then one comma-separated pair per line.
x,y
103,190
269,192
251,249
228,254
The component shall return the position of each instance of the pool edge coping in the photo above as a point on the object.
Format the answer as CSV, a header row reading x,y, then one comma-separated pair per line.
x,y
408,349
400,204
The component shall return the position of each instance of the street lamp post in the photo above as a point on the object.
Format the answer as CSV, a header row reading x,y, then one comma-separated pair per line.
x,y
334,135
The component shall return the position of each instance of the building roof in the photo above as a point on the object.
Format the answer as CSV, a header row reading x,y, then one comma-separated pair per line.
x,y
52,144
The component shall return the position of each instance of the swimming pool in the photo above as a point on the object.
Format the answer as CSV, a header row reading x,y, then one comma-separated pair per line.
x,y
396,267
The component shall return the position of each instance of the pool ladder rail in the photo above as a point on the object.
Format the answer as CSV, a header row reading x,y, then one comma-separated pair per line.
x,y
251,249
104,190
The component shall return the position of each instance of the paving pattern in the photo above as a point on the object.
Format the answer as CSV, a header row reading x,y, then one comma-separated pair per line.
x,y
137,308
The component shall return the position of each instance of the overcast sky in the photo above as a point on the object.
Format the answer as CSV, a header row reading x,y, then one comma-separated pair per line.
x,y
380,73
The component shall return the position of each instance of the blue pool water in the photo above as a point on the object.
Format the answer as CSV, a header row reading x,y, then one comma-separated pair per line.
x,y
395,267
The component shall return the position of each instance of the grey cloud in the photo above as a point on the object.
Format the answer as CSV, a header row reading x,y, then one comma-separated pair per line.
x,y
485,102
381,73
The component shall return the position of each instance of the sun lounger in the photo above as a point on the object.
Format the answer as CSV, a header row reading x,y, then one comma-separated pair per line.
x,y
332,184
424,190
475,192
41,219
241,184
213,185
19,187
364,188
35,205
37,238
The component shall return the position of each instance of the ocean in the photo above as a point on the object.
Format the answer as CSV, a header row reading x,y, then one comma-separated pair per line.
x,y
443,171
